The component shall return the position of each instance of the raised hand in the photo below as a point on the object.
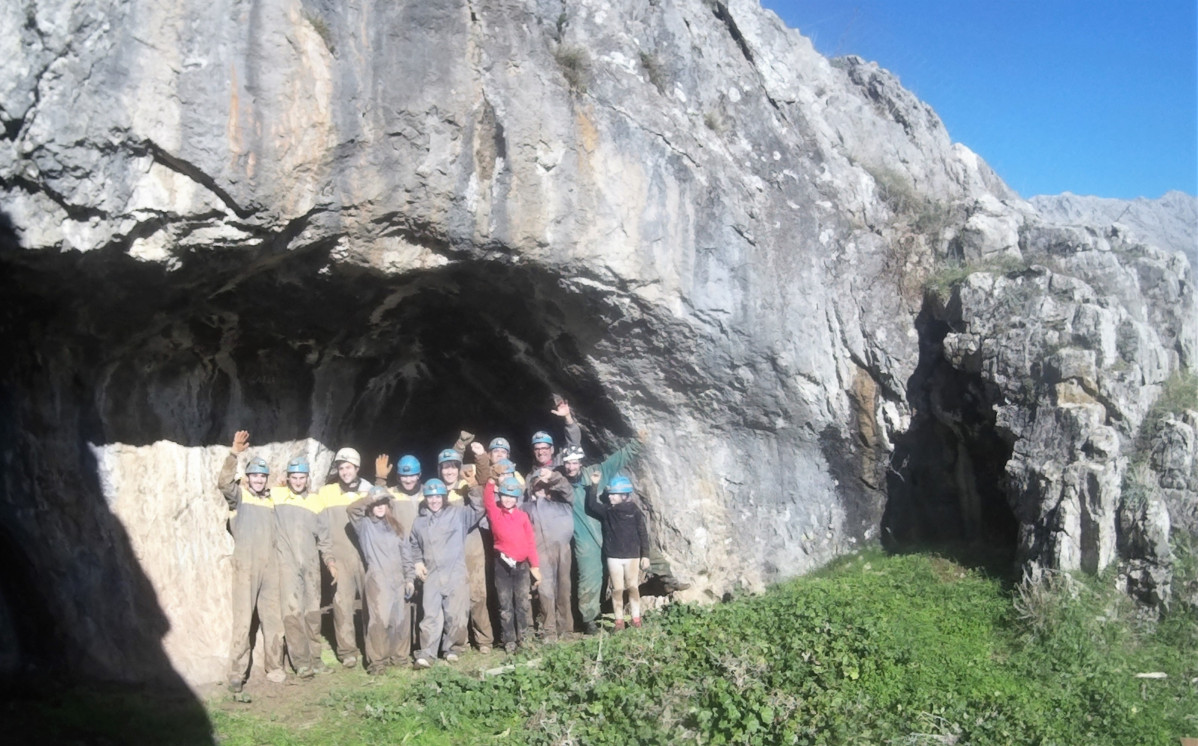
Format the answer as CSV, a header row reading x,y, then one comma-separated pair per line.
x,y
241,441
382,467
562,409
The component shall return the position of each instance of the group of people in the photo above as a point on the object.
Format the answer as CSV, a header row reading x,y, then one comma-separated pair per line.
x,y
411,548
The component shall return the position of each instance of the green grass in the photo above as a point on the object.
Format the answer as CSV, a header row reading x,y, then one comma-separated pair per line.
x,y
873,649
877,649
1179,393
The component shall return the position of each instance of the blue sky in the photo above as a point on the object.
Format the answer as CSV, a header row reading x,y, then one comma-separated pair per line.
x,y
1087,96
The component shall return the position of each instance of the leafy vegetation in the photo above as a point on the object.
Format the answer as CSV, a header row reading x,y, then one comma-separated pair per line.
x,y
889,650
321,27
950,274
1179,393
575,65
874,649
924,215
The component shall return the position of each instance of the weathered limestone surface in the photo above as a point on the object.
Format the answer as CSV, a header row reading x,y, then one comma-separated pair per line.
x,y
1169,222
376,222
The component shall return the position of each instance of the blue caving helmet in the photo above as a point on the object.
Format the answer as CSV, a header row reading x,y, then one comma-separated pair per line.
x,y
298,465
257,466
510,486
542,437
500,443
448,455
619,485
409,466
435,487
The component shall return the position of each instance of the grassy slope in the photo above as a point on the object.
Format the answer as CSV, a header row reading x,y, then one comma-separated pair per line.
x,y
876,649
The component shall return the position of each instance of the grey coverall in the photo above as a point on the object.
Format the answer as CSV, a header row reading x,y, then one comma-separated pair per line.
x,y
405,508
439,541
255,574
476,572
388,558
298,519
553,526
339,541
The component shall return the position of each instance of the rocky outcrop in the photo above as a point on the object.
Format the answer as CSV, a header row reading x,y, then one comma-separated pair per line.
x,y
1169,222
373,225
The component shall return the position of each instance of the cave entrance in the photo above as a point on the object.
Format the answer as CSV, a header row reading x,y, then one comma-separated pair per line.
x,y
300,347
106,350
947,479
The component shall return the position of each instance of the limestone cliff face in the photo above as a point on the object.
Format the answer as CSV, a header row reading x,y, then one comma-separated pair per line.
x,y
1170,222
377,223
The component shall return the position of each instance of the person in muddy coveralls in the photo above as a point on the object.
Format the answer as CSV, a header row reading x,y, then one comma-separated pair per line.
x,y
449,464
406,498
548,503
439,556
297,515
339,546
255,565
389,578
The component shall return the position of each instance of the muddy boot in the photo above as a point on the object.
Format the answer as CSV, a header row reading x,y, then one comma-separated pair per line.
x,y
276,676
235,686
350,661
590,628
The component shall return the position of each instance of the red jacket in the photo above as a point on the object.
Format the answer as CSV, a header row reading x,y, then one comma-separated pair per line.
x,y
511,529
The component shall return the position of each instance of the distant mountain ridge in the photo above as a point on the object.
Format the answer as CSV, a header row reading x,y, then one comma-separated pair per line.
x,y
1169,222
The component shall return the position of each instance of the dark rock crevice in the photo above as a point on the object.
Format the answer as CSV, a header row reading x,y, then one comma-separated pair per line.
x,y
946,483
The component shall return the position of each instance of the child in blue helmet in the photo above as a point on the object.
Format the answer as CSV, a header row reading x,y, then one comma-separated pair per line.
x,y
625,543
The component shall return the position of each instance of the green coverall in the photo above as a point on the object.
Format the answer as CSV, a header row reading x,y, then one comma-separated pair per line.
x,y
588,533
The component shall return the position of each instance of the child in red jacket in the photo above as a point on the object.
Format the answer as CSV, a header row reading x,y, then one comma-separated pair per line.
x,y
515,559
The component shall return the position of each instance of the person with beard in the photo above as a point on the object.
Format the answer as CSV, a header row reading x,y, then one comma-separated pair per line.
x,y
255,564
297,512
339,545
